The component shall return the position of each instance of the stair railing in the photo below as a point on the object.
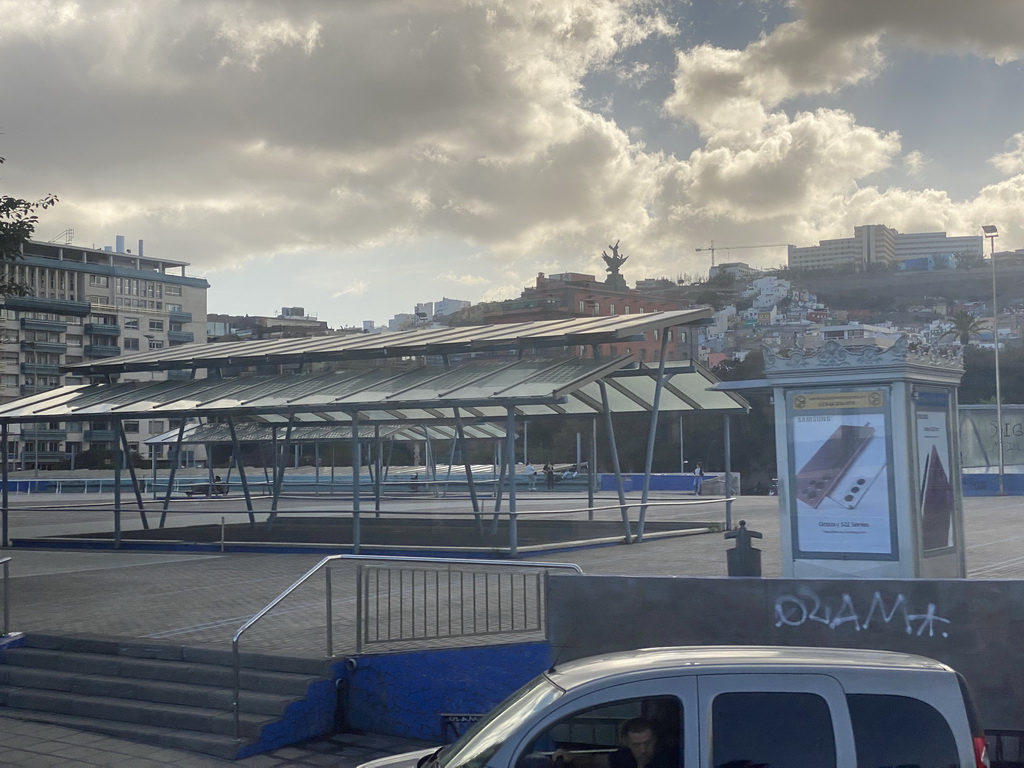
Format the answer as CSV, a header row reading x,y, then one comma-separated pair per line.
x,y
6,562
236,656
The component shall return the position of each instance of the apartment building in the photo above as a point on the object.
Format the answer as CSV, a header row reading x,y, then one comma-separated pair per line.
x,y
878,245
88,304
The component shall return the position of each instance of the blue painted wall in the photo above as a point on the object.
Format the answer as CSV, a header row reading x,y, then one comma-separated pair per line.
x,y
660,482
405,694
988,485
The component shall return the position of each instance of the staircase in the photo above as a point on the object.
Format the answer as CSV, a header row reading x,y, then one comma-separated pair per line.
x,y
171,696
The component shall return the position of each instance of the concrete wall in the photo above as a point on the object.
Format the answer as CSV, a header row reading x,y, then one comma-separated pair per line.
x,y
972,625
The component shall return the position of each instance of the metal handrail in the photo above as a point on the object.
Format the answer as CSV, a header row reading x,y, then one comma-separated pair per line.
x,y
330,623
7,597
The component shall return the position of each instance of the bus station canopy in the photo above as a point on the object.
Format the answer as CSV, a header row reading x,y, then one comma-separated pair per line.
x,y
496,372
481,391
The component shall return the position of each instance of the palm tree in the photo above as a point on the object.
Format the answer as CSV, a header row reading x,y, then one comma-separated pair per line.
x,y
965,326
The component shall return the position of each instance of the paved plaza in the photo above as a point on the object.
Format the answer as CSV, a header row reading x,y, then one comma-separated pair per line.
x,y
202,599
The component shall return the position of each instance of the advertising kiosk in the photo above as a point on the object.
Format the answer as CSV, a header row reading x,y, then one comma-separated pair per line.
x,y
868,462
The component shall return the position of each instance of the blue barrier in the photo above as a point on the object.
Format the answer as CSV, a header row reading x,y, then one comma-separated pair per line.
x,y
659,482
409,694
988,484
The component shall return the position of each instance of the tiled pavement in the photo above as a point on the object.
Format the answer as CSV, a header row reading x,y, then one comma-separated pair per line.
x,y
202,599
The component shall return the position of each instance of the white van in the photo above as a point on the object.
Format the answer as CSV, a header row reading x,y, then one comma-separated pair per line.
x,y
727,707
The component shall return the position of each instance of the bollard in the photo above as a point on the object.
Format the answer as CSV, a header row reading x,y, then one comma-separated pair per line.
x,y
743,559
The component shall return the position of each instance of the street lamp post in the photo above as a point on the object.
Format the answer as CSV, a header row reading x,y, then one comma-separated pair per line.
x,y
992,233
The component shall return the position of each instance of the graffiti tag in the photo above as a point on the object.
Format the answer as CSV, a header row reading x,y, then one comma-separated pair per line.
x,y
796,610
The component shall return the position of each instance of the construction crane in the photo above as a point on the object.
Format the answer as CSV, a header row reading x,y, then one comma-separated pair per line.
x,y
714,248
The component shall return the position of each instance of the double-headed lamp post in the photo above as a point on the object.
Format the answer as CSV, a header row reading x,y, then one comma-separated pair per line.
x,y
992,233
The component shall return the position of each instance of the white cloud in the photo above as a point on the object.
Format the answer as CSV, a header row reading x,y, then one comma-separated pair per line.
x,y
1011,161
354,288
914,163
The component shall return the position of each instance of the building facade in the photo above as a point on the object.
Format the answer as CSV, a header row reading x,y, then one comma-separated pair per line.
x,y
572,294
88,304
876,245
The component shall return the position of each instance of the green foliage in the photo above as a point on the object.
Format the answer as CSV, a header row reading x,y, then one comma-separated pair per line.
x,y
18,221
979,382
965,327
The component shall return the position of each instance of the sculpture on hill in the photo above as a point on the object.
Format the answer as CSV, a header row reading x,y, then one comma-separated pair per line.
x,y
614,279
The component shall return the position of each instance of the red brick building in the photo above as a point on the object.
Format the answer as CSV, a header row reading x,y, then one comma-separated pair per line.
x,y
571,294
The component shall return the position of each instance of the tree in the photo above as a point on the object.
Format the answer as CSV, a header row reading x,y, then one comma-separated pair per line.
x,y
965,327
18,221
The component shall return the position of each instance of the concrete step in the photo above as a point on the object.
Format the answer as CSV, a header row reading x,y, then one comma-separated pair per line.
x,y
183,694
144,650
157,669
207,743
167,695
201,719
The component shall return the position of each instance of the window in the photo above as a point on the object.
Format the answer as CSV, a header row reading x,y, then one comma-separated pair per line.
x,y
156,325
174,307
130,345
583,306
156,427
172,290
99,281
651,723
131,323
772,729
611,309
156,344
898,730
131,427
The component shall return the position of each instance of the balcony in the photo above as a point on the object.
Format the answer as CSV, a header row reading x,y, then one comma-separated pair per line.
x,y
53,326
44,434
40,369
95,350
100,435
43,457
181,337
180,317
102,329
52,306
34,389
54,347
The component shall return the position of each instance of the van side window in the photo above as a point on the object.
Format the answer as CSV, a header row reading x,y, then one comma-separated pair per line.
x,y
631,733
899,730
772,729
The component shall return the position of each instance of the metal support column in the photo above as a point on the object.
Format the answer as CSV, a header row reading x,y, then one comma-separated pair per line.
x,y
357,465
652,433
236,452
613,448
727,440
174,461
118,458
510,452
5,474
461,435
123,437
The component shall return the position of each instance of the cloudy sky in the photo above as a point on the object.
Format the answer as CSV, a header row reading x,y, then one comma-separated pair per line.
x,y
357,156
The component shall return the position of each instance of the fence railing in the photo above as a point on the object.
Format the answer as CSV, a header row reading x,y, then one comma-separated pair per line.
x,y
442,564
411,600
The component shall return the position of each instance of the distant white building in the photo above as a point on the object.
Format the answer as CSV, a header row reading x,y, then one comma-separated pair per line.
x,y
877,244
738,269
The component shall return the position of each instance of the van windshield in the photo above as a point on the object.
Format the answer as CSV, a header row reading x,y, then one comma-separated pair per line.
x,y
479,743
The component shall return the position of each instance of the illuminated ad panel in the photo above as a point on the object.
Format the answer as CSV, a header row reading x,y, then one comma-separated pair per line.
x,y
841,488
936,494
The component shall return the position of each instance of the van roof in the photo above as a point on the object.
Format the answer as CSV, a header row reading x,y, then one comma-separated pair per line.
x,y
720,659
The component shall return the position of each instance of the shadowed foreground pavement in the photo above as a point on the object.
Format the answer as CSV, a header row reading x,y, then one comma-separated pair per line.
x,y
202,599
